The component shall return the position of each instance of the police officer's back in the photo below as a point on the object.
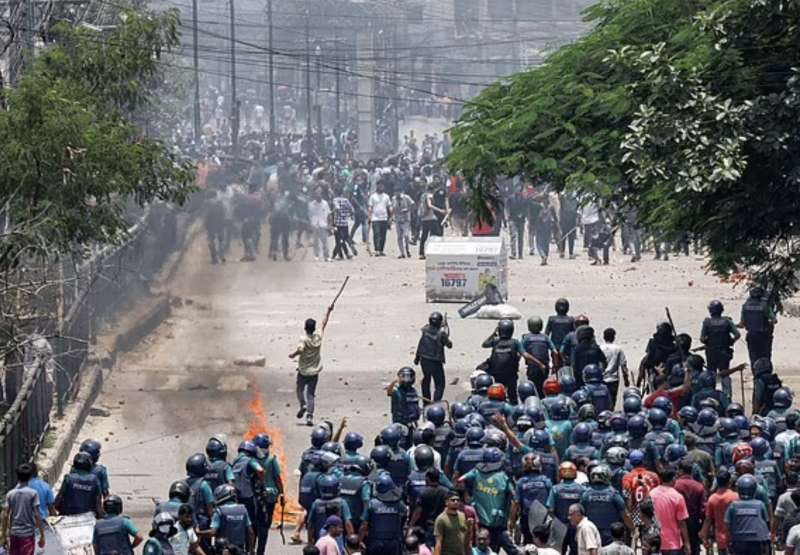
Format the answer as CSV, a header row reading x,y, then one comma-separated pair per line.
x,y
115,533
80,490
384,518
230,520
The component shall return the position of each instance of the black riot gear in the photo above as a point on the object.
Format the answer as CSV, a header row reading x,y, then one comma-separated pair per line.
x,y
505,329
715,308
436,319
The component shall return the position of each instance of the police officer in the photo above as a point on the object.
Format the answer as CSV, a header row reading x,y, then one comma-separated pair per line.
x,y
247,475
718,334
443,432
470,456
596,388
657,439
430,355
218,471
384,516
269,490
319,436
329,503
503,363
747,519
179,494
603,504
80,490
93,447
532,487
113,532
563,495
581,444
231,521
356,489
482,383
353,441
201,496
766,467
759,320
541,348
405,401
399,463
163,529
560,323
765,385
496,403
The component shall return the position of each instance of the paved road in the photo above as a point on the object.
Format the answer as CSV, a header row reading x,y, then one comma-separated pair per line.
x,y
181,385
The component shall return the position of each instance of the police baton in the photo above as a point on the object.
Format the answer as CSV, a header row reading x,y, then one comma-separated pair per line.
x,y
283,515
674,336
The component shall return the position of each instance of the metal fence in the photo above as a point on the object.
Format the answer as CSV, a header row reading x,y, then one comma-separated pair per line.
x,y
91,295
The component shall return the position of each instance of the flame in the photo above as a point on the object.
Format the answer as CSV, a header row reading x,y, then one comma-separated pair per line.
x,y
259,424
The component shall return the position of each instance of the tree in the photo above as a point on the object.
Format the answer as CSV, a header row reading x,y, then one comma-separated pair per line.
x,y
682,111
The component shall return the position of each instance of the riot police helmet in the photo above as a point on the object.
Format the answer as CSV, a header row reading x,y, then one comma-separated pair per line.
x,y
460,410
390,436
216,448
224,493
586,413
535,324
180,490
263,441
760,446
782,398
475,436
618,423
196,465
328,486
734,409
436,414
657,418
93,447
380,455
600,474
637,426
636,458
551,386
715,308
616,455
319,436
384,483
688,414
525,389
423,457
662,402
436,319
582,433
353,441
728,428
562,306
568,384
567,470
406,375
248,448
632,405
82,461
332,447
674,452
497,392
746,486
592,373
505,329
113,505
483,382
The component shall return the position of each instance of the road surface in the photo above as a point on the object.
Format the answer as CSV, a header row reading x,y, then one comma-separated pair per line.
x,y
181,385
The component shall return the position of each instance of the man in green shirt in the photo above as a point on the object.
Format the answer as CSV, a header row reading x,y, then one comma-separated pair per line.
x,y
492,491
309,365
452,529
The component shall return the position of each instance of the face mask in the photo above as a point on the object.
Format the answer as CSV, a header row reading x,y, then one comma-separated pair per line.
x,y
165,529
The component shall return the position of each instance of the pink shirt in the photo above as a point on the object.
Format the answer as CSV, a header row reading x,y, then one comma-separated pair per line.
x,y
670,509
327,546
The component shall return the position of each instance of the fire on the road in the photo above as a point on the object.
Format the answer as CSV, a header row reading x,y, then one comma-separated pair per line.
x,y
259,424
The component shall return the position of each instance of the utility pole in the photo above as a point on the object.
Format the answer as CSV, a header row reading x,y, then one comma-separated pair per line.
x,y
196,56
318,100
271,79
234,99
308,89
338,93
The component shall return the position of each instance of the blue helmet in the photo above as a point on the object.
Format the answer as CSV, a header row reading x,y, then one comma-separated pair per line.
x,y
706,380
517,412
249,448
262,441
782,398
604,419
760,446
674,452
618,440
592,373
475,436
495,438
328,486
568,384
631,391
353,441
637,426
436,414
93,447
460,410
475,419
663,403
390,436
362,464
676,375
525,389
523,423
216,449
632,405
492,455
460,427
381,455
559,411
384,483
483,383
728,428
688,413
746,486
657,418
582,433
707,418
762,366
196,465
636,458
618,423
734,409
581,397
540,439
535,413
319,436
743,424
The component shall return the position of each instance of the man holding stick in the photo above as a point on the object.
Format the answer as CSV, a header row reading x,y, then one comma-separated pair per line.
x,y
309,363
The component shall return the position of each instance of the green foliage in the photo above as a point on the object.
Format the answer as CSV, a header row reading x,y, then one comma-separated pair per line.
x,y
72,159
681,110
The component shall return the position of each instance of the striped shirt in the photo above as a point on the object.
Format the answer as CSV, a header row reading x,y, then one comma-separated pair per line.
x,y
342,211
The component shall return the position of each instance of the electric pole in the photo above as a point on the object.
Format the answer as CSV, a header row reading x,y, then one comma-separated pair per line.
x,y
196,57
271,78
234,99
308,90
338,93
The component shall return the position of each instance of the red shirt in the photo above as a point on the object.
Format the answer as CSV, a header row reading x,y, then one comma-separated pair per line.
x,y
715,510
695,495
675,395
670,510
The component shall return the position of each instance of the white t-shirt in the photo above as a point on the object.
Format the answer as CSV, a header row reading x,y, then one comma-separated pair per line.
x,y
616,361
793,538
587,537
182,539
379,203
318,212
